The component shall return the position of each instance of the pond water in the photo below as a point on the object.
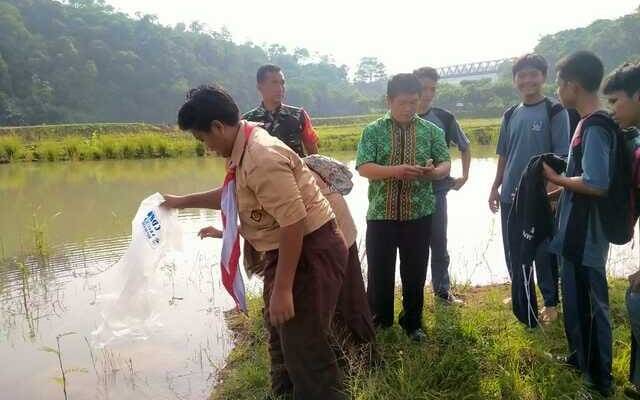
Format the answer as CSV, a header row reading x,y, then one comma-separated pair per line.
x,y
64,225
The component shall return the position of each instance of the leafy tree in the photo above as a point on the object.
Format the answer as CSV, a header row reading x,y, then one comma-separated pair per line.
x,y
82,61
79,60
370,69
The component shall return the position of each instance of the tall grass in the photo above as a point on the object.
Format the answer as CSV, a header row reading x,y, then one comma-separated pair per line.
x,y
39,132
99,147
478,351
75,143
11,147
345,120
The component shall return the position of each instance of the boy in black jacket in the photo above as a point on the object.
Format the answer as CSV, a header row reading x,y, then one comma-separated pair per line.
x,y
535,126
580,241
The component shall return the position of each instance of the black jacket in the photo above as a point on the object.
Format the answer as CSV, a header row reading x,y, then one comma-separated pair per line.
x,y
531,219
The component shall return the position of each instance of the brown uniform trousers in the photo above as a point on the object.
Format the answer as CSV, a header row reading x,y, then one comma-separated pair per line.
x,y
302,358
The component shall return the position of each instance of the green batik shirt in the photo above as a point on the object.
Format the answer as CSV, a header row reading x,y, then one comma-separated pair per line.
x,y
384,142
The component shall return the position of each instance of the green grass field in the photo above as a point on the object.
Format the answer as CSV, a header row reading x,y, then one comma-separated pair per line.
x,y
477,351
345,137
126,141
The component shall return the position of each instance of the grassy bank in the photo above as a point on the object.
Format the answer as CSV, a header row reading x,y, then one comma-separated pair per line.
x,y
128,141
99,147
39,132
345,120
474,352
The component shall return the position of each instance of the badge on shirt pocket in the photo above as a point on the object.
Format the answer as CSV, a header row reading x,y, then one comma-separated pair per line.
x,y
256,215
536,126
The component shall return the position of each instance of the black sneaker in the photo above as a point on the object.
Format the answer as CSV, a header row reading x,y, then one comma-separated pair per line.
x,y
632,392
449,299
567,361
605,392
417,335
282,396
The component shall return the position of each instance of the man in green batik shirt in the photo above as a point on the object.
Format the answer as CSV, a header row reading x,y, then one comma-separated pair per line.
x,y
400,154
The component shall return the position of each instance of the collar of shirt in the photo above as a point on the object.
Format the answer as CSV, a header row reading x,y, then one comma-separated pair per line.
x,y
388,118
424,114
280,110
239,146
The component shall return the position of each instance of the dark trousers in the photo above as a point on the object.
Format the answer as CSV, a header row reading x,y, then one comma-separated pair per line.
x,y
585,302
352,311
384,240
633,307
301,351
353,323
546,265
438,243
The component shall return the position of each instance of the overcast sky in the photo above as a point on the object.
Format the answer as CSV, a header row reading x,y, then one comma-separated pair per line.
x,y
404,34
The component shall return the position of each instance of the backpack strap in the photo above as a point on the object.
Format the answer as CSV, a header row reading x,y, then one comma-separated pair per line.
x,y
506,117
598,118
553,109
574,119
632,150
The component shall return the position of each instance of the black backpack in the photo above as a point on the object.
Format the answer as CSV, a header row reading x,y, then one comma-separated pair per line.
x,y
447,120
618,209
632,151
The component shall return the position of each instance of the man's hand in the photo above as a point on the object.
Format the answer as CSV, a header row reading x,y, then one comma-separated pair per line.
x,y
280,307
171,201
549,173
210,232
428,170
494,200
634,282
281,300
408,172
458,183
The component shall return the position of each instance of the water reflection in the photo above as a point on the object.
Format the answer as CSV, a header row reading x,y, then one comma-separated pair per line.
x,y
63,226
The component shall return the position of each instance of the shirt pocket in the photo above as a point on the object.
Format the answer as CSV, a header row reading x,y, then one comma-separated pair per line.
x,y
252,215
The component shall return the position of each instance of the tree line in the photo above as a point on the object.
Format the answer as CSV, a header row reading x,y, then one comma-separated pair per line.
x,y
82,61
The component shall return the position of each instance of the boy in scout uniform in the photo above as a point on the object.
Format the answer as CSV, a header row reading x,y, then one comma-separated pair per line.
x,y
282,213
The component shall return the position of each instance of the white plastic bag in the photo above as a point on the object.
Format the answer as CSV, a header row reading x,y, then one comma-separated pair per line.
x,y
156,242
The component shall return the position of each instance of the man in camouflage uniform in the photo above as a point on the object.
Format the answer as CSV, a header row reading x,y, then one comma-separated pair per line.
x,y
292,125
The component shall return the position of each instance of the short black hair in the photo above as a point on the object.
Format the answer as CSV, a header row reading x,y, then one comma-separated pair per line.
x,y
530,60
625,78
261,75
582,67
206,104
427,72
403,84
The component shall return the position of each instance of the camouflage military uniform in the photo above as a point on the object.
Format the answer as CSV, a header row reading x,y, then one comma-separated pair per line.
x,y
292,125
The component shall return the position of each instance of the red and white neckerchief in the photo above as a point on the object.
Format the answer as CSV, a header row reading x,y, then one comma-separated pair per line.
x,y
230,257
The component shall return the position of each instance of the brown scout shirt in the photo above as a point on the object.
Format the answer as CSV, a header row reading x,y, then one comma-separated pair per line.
x,y
274,189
